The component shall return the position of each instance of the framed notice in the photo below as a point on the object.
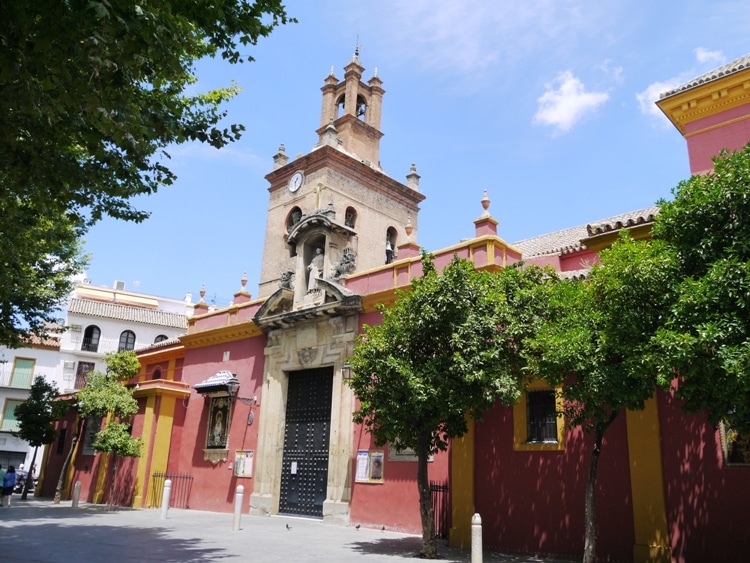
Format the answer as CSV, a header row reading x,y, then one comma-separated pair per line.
x,y
363,466
243,463
369,466
376,467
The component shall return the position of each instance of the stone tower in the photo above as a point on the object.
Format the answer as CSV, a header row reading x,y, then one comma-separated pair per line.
x,y
334,211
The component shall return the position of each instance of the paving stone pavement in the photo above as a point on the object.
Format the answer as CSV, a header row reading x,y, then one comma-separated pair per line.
x,y
37,530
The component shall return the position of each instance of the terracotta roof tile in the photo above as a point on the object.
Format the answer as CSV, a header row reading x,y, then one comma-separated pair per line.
x,y
125,313
569,240
729,68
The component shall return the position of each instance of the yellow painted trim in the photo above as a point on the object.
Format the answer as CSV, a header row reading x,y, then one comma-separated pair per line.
x,y
140,472
462,488
220,335
647,486
520,419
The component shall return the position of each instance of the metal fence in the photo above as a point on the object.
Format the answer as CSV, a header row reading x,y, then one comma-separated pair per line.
x,y
179,497
439,494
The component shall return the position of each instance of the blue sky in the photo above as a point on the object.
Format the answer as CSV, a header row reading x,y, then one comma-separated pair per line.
x,y
546,104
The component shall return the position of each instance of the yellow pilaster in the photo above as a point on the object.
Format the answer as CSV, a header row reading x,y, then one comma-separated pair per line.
x,y
647,486
462,488
160,454
146,448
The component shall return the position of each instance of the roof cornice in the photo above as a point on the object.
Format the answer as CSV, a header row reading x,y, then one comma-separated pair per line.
x,y
231,333
707,99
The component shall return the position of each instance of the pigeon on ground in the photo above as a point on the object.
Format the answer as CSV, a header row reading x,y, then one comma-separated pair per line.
x,y
382,529
288,527
357,526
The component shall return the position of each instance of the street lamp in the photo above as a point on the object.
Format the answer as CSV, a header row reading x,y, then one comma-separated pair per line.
x,y
233,386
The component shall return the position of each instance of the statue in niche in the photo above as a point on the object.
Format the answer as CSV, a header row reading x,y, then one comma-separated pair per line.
x,y
316,269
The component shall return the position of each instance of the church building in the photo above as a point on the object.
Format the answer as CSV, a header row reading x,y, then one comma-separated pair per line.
x,y
255,394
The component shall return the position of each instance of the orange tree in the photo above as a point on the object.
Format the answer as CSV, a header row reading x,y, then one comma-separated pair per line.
x,y
448,349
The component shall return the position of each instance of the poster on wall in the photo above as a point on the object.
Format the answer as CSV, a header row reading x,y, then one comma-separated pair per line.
x,y
363,466
243,463
369,466
376,467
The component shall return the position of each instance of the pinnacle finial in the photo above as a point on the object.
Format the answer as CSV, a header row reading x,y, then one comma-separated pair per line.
x,y
486,205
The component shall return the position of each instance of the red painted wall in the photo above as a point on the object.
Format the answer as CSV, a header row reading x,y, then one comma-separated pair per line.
x,y
214,486
708,136
706,500
533,502
395,502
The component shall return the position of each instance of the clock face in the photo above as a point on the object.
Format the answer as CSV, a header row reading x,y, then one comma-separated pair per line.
x,y
295,182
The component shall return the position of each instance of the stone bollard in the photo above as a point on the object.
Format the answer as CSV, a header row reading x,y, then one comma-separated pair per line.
x,y
165,498
238,506
476,539
76,493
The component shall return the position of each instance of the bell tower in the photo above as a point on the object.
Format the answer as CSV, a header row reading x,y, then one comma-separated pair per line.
x,y
353,108
334,212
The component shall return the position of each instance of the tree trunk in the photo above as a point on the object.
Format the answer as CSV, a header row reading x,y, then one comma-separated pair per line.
x,y
429,547
60,481
589,544
29,475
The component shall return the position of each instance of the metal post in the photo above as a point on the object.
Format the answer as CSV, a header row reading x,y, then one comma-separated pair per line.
x,y
76,493
476,539
165,498
238,506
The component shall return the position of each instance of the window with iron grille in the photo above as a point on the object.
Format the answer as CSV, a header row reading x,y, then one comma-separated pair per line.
x,y
541,417
83,371
91,339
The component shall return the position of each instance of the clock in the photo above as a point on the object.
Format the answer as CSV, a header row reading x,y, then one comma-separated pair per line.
x,y
295,182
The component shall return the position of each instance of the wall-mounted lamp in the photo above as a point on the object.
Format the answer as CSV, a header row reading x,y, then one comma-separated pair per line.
x,y
233,386
346,371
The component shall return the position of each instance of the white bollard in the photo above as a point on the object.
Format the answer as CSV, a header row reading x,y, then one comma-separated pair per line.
x,y
476,539
238,506
165,498
76,493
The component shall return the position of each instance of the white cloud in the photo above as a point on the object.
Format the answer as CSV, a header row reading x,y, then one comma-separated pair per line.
x,y
715,58
566,102
707,61
647,99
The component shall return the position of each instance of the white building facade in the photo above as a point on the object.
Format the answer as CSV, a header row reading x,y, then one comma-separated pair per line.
x,y
99,320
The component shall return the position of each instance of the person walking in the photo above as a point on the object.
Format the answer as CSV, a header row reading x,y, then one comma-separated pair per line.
x,y
2,476
9,481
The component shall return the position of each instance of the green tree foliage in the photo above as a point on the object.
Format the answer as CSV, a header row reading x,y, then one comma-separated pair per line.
x,y
39,257
36,417
447,350
91,94
705,337
596,342
106,396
